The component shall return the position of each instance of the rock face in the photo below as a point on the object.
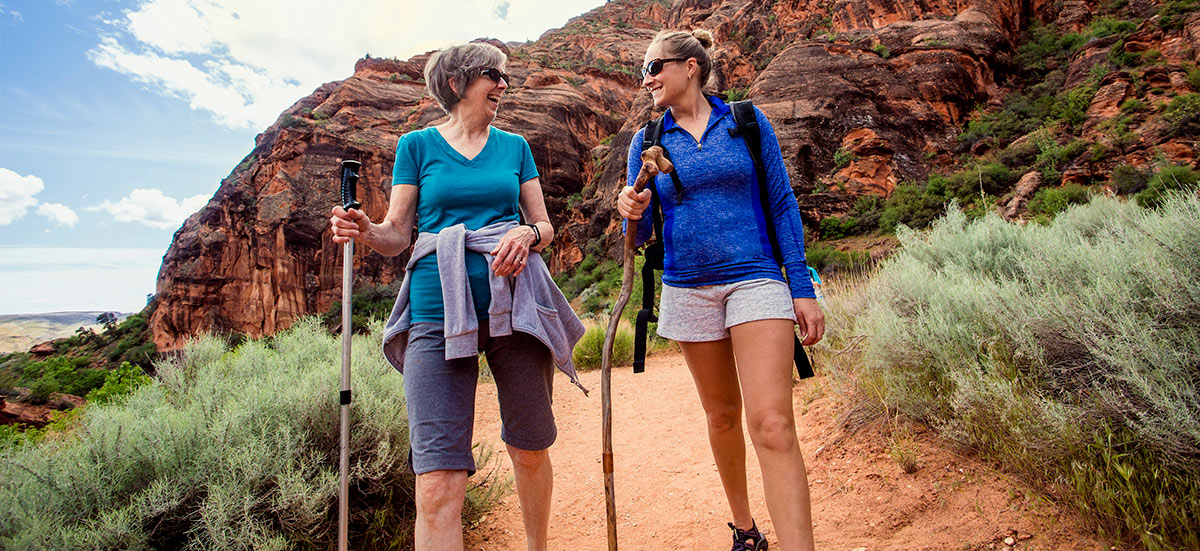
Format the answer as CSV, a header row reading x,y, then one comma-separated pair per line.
x,y
863,94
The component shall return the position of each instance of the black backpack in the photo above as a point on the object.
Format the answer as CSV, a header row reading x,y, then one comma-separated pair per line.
x,y
747,128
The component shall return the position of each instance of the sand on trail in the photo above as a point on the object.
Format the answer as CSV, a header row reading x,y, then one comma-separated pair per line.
x,y
669,494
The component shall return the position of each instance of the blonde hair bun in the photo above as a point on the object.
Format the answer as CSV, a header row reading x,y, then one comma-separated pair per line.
x,y
705,38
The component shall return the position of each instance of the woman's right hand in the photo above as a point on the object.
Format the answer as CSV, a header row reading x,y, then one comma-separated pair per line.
x,y
631,205
348,225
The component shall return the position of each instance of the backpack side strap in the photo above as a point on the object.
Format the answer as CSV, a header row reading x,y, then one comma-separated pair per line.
x,y
747,127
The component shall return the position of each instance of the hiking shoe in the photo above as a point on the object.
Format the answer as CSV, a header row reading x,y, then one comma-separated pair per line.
x,y
748,540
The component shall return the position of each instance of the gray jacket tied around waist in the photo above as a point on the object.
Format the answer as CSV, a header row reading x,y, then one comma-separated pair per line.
x,y
530,302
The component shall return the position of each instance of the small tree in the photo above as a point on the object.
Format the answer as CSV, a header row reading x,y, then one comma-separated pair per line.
x,y
108,320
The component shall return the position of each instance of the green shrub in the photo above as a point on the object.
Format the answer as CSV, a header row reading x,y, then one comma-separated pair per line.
x,y
1121,58
1071,106
986,179
1193,78
835,227
828,260
737,93
1045,47
1066,352
1118,131
589,352
882,51
867,210
1052,156
58,374
1174,13
1133,105
1170,178
1018,154
1052,201
1024,112
588,264
914,205
1109,26
227,449
843,157
1183,114
291,121
119,383
1127,180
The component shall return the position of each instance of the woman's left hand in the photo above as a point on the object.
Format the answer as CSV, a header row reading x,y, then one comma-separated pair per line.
x,y
512,254
811,320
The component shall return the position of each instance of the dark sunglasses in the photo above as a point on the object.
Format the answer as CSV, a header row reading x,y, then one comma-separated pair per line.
x,y
495,74
655,67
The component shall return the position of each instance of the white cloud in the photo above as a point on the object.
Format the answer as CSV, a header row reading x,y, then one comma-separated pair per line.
x,y
244,62
16,195
58,213
151,207
16,15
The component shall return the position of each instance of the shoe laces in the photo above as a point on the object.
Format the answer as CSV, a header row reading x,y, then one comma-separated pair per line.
x,y
745,540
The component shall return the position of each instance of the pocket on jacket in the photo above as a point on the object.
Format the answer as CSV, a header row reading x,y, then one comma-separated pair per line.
x,y
547,312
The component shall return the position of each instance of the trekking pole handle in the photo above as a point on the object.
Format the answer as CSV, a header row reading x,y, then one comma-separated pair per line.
x,y
653,162
350,185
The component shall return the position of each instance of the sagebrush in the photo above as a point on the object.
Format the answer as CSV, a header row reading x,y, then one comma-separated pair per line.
x,y
228,448
1069,351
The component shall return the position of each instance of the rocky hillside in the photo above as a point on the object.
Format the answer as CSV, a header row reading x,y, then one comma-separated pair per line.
x,y
867,97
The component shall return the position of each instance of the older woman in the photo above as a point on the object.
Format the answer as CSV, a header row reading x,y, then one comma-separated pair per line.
x,y
473,283
724,298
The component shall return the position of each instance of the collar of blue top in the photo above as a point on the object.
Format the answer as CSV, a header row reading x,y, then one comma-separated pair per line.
x,y
720,109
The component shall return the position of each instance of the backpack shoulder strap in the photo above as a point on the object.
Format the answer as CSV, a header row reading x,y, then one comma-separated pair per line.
x,y
653,135
747,128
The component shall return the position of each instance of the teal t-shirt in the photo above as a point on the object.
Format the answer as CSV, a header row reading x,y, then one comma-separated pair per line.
x,y
454,190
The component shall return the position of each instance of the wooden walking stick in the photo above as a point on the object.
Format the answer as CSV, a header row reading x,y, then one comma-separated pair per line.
x,y
653,162
349,183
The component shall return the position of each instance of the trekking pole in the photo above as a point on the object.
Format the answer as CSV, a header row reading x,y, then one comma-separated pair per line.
x,y
349,183
653,162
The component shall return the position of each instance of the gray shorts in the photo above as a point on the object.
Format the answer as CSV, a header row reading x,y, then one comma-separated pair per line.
x,y
705,313
440,395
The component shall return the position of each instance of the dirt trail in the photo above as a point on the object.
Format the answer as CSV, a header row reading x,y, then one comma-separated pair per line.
x,y
668,490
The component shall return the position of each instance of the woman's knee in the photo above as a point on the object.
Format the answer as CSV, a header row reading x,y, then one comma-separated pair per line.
x,y
528,459
773,430
441,492
724,419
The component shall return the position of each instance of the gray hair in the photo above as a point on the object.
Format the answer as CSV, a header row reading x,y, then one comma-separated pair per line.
x,y
456,62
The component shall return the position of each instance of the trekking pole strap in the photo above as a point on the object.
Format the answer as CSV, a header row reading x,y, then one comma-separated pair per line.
x,y
646,314
803,365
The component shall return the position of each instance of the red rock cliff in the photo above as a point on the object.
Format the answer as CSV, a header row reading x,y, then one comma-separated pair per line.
x,y
888,84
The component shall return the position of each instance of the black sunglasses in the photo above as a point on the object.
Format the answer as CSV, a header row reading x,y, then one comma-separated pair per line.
x,y
655,67
495,74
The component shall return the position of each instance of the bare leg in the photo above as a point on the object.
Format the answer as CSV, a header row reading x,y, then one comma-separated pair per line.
x,y
764,358
711,364
440,497
535,483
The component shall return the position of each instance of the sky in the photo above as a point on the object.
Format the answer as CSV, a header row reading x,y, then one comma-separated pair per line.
x,y
119,118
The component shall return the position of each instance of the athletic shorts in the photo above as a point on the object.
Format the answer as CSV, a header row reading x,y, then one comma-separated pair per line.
x,y
705,313
440,395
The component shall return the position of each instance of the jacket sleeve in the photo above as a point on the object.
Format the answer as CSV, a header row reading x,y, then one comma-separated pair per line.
x,y
785,213
645,227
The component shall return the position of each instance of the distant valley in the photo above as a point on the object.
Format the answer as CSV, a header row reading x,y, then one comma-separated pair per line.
x,y
19,332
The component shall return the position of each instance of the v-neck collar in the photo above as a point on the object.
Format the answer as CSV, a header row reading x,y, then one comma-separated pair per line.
x,y
454,153
719,110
